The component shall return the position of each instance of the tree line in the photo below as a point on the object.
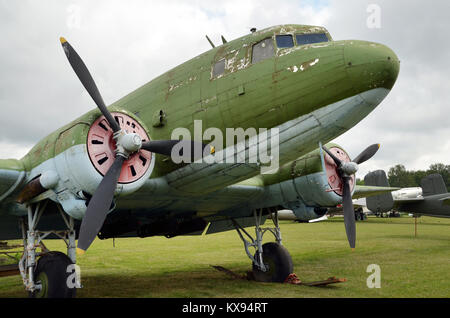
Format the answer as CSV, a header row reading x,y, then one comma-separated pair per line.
x,y
400,177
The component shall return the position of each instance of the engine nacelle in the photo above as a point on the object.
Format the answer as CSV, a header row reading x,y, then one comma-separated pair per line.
x,y
84,154
314,183
306,213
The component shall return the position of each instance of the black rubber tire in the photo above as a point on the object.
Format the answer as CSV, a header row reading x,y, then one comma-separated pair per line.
x,y
51,271
279,261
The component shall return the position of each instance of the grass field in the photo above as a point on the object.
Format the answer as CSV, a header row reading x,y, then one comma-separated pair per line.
x,y
180,267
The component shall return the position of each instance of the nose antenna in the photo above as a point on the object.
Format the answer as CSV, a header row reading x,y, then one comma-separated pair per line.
x,y
210,42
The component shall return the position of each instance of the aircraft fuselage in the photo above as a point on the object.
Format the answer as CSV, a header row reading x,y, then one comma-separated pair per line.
x,y
292,83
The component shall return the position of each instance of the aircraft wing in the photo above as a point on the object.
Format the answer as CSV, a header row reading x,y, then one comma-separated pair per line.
x,y
409,200
369,191
203,177
12,175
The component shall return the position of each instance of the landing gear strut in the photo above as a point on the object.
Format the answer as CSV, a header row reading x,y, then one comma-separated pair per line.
x,y
45,273
271,261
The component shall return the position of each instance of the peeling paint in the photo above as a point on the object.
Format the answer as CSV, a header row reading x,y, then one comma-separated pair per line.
x,y
243,63
230,62
304,66
316,46
283,52
233,63
209,100
293,69
314,63
191,79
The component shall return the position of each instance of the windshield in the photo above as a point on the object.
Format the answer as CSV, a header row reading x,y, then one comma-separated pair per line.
x,y
262,50
303,39
284,41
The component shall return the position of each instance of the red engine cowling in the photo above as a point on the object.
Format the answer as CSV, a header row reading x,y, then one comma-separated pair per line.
x,y
101,148
80,167
334,180
313,183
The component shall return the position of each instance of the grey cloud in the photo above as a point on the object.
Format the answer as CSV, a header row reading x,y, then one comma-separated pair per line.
x,y
412,122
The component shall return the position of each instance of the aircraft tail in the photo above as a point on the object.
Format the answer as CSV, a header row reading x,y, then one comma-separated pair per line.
x,y
432,185
379,203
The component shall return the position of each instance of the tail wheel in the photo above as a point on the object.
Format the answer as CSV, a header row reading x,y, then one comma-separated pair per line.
x,y
51,273
279,262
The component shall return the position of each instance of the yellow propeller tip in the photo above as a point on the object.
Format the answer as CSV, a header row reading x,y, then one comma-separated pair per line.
x,y
80,251
63,40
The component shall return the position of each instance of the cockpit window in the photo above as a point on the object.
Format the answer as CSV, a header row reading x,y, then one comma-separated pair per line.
x,y
303,39
219,68
262,50
284,41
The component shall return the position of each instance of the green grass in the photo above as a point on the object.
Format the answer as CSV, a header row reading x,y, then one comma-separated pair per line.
x,y
180,267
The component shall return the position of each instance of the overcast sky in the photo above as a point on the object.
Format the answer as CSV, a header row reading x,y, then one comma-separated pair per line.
x,y
127,43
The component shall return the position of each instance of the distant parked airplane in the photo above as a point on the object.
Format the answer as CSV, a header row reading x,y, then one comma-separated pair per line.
x,y
432,199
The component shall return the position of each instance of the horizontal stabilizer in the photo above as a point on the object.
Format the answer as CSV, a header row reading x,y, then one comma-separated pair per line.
x,y
383,202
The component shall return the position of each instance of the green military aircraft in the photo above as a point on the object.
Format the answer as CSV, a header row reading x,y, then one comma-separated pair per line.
x,y
114,172
433,201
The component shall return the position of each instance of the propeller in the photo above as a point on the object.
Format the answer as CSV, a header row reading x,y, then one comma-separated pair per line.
x,y
99,205
88,82
345,172
126,143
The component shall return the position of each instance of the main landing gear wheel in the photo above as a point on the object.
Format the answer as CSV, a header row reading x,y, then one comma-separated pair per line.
x,y
52,275
271,261
47,274
278,263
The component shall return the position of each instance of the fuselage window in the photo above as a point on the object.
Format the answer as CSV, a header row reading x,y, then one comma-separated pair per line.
x,y
262,50
303,39
219,68
284,41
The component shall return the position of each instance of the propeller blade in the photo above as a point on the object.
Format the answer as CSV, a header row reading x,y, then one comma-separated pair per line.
x,y
164,147
367,154
335,159
88,82
99,206
349,213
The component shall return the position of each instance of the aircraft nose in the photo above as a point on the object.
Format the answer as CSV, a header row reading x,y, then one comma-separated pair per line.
x,y
371,65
